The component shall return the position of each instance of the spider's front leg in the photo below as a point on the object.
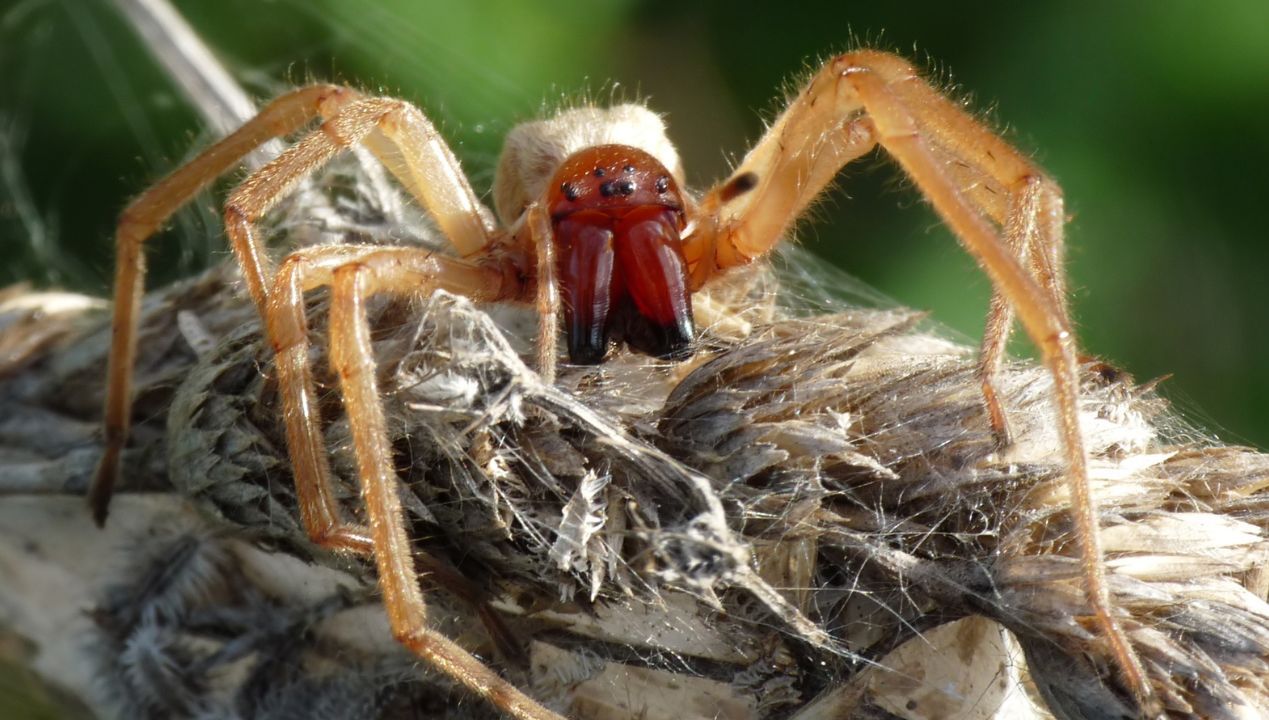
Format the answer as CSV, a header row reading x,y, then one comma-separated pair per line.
x,y
1002,208
396,132
354,274
144,216
409,146
403,139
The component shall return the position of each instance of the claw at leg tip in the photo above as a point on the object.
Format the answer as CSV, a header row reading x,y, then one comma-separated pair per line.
x,y
102,487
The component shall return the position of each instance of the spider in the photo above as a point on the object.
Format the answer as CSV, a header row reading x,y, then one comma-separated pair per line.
x,y
593,224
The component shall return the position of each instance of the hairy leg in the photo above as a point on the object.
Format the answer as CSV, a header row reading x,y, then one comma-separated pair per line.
x,y
147,214
1032,227
355,274
395,131
409,271
1002,208
409,146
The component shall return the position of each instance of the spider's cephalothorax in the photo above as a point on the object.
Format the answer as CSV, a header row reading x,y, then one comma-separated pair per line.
x,y
617,215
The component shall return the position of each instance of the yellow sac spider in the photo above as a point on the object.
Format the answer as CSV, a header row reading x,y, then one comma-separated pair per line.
x,y
593,223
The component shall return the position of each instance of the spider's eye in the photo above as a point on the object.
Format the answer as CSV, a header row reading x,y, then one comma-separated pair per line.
x,y
624,188
615,177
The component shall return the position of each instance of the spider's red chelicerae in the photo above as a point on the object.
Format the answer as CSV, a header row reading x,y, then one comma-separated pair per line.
x,y
593,223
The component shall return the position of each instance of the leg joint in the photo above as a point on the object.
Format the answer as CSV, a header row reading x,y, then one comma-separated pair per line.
x,y
236,210
335,535
133,227
349,273
1057,339
332,97
889,66
399,113
417,639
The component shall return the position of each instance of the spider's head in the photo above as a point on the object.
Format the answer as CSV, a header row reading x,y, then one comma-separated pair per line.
x,y
617,214
610,180
534,151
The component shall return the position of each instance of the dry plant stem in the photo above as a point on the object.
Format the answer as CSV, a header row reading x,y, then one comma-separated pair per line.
x,y
190,64
1189,525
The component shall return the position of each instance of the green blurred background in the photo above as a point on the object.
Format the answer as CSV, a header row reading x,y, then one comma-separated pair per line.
x,y
1154,116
